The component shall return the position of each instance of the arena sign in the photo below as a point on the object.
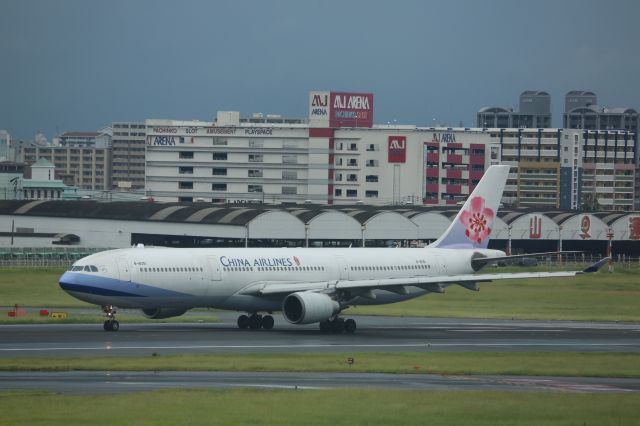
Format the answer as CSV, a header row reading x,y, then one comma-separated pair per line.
x,y
340,109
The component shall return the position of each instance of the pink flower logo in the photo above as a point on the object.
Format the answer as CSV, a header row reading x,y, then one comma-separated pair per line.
x,y
476,220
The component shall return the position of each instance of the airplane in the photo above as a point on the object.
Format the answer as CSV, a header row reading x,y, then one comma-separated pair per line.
x,y
308,285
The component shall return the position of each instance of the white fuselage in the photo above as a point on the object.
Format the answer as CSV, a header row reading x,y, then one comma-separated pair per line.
x,y
157,277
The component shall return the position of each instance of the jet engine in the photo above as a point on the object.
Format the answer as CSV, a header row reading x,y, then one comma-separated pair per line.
x,y
161,313
308,307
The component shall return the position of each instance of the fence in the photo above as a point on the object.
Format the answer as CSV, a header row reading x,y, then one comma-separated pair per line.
x,y
44,256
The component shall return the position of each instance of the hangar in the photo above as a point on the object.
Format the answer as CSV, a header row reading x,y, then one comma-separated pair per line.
x,y
100,225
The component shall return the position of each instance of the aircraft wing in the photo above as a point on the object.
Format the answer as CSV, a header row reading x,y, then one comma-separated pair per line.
x,y
432,283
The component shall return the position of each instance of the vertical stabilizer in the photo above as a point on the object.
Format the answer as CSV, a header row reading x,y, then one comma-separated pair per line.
x,y
474,222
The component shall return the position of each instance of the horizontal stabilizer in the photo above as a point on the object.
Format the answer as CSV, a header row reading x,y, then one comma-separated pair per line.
x,y
478,263
596,266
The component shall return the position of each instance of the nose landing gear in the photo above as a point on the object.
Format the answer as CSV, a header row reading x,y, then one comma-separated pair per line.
x,y
111,324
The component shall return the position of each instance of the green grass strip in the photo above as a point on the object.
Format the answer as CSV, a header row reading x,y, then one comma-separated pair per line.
x,y
334,407
591,364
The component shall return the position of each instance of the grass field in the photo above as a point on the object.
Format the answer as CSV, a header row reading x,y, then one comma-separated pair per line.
x,y
591,364
320,407
598,297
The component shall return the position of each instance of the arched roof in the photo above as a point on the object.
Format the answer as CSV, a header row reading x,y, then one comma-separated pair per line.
x,y
534,93
494,110
591,109
323,221
580,93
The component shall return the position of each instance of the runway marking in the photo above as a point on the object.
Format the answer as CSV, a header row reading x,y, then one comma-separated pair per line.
x,y
321,346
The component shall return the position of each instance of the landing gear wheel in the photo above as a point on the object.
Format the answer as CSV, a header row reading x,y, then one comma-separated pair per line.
x,y
337,325
267,322
243,322
110,324
255,321
325,326
350,326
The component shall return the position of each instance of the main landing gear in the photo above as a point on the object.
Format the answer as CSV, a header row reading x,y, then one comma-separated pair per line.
x,y
338,325
111,324
255,321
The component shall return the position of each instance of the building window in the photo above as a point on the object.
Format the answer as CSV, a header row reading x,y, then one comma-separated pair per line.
x,y
371,194
185,170
289,175
338,192
220,156
256,143
219,141
352,162
290,159
185,199
254,173
217,171
372,163
187,155
254,188
185,185
372,147
352,178
289,190
218,186
352,192
353,147
372,178
256,158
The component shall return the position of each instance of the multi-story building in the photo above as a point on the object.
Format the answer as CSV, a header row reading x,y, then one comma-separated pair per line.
x,y
128,156
343,158
583,112
85,168
5,145
11,178
534,112
84,139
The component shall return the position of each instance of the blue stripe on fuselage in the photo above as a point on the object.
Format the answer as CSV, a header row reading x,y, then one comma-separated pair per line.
x,y
104,286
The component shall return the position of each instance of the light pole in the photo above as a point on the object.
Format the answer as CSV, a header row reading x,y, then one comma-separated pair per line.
x,y
560,243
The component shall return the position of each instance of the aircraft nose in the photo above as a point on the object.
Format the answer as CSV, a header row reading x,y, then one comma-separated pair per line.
x,y
67,281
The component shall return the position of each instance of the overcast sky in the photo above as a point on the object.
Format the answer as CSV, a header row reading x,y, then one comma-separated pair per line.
x,y
79,65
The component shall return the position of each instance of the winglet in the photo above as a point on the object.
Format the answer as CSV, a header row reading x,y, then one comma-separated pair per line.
x,y
596,266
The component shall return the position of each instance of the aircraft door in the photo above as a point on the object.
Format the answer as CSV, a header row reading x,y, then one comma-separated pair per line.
x,y
442,265
213,267
343,268
123,269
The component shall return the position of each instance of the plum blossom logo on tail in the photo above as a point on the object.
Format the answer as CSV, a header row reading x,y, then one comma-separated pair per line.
x,y
477,220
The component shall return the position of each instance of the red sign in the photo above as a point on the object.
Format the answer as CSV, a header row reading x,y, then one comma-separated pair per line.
x,y
397,149
535,227
585,225
634,228
351,109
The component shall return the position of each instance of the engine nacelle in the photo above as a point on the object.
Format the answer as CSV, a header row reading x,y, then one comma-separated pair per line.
x,y
161,313
308,307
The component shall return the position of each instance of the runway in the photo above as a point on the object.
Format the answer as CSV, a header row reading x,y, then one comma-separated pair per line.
x,y
91,382
374,334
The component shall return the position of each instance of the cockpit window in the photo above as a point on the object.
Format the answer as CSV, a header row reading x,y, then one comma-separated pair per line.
x,y
94,268
87,268
77,268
